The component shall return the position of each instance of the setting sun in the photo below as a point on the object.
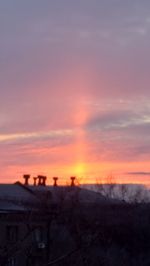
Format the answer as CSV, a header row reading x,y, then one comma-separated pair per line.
x,y
80,170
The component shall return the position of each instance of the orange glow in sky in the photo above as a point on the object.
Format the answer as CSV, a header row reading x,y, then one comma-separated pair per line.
x,y
74,97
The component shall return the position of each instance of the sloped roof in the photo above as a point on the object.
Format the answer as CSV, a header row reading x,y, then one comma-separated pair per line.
x,y
17,197
14,190
65,193
14,196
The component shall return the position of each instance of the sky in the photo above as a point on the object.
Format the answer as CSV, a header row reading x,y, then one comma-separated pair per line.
x,y
75,89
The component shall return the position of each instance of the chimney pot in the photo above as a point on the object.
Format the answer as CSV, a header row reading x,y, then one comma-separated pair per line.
x,y
26,179
41,180
44,180
72,181
55,181
35,179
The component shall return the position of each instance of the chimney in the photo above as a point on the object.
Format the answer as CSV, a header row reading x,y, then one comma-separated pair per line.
x,y
55,181
72,181
35,179
44,181
41,180
26,179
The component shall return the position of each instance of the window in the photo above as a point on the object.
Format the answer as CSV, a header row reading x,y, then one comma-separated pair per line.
x,y
12,233
12,262
38,234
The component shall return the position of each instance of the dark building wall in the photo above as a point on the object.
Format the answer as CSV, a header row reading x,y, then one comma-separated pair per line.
x,y
22,238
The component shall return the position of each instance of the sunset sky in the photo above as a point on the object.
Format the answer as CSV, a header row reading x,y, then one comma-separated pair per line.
x,y
75,89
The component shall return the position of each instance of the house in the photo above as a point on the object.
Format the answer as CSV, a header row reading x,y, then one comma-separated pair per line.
x,y
34,220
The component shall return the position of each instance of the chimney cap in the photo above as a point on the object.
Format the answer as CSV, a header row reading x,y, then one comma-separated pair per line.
x,y
26,176
55,178
72,177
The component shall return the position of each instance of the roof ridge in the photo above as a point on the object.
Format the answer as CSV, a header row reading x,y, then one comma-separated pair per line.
x,y
25,188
